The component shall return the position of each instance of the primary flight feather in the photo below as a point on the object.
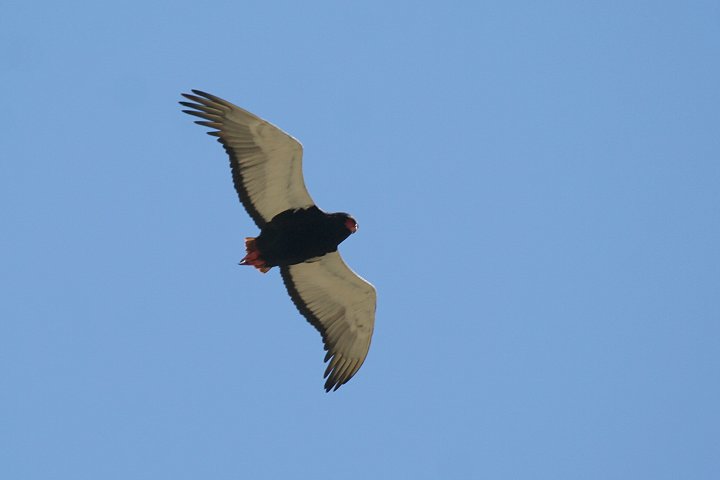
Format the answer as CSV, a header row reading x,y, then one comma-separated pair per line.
x,y
295,235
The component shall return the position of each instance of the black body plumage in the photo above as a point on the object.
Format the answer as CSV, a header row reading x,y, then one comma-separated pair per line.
x,y
297,235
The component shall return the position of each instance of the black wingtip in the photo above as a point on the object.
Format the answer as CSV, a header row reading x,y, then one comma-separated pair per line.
x,y
201,93
195,113
332,386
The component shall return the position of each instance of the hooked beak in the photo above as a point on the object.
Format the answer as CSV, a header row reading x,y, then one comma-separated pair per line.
x,y
351,225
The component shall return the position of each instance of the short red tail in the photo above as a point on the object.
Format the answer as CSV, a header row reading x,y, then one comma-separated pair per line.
x,y
253,257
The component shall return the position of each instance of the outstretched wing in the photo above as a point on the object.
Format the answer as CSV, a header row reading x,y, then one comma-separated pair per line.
x,y
266,162
341,305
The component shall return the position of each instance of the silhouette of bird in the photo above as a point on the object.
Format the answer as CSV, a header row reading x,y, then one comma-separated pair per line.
x,y
295,235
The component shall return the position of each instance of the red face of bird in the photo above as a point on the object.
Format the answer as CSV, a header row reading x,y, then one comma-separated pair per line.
x,y
351,224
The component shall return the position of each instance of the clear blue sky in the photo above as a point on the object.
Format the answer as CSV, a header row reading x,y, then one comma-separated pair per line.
x,y
538,191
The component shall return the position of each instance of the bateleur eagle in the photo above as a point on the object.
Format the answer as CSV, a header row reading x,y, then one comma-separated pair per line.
x,y
295,235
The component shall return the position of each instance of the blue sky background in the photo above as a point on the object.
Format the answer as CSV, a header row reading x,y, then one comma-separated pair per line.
x,y
538,190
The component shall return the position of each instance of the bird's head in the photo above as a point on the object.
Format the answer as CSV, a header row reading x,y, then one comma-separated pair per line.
x,y
350,223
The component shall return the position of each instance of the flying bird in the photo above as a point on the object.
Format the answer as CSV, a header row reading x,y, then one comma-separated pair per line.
x,y
295,235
